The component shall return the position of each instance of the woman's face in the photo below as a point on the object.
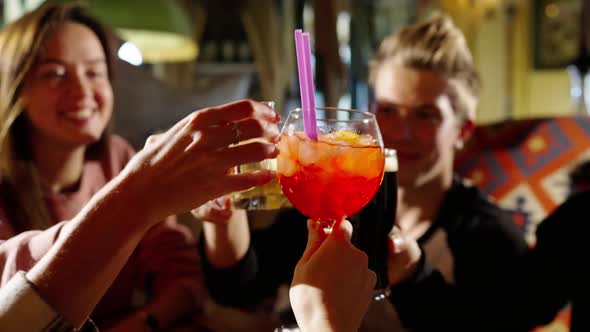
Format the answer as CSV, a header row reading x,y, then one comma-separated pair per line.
x,y
416,118
68,99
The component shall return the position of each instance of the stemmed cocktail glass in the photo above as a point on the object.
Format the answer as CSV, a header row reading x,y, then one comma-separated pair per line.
x,y
337,175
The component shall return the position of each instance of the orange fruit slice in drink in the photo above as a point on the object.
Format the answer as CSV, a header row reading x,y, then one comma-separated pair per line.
x,y
346,136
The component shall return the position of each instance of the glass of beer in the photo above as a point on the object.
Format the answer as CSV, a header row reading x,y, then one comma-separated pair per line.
x,y
374,223
266,197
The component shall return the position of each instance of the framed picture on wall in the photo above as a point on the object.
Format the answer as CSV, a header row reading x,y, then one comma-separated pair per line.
x,y
556,31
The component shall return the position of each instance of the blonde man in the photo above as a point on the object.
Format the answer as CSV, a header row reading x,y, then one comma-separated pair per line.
x,y
426,90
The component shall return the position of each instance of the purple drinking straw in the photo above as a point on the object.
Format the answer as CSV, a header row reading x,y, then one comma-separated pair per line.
x,y
313,131
302,80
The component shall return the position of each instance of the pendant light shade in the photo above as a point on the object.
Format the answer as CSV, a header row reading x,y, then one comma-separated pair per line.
x,y
161,29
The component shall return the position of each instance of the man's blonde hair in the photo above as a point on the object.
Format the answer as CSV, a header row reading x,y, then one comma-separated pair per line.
x,y
436,45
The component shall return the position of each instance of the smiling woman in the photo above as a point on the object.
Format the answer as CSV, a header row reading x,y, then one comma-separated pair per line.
x,y
32,59
68,99
56,103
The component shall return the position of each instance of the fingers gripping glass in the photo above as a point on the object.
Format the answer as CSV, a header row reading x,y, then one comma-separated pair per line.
x,y
266,197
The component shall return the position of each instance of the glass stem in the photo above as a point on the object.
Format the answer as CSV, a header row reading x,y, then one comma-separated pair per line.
x,y
327,225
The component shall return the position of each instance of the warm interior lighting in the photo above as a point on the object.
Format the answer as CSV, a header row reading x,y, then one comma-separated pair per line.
x,y
161,46
130,53
161,29
552,10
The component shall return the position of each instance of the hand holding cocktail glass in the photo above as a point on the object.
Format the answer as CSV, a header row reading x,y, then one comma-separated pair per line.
x,y
319,293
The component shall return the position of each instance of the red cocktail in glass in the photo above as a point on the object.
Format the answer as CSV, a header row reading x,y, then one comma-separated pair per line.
x,y
337,175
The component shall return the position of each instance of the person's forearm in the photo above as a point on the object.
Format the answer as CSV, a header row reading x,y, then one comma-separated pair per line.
x,y
92,248
226,244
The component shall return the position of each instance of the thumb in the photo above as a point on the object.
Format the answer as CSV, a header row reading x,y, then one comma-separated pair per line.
x,y
397,243
315,238
342,230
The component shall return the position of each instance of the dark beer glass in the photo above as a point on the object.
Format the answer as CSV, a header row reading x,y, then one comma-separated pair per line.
x,y
374,223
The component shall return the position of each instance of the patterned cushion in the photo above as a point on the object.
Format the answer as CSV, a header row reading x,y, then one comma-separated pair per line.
x,y
524,165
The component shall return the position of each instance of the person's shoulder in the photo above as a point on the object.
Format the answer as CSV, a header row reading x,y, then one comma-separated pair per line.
x,y
482,222
481,214
569,214
578,200
473,199
120,149
566,226
117,154
118,144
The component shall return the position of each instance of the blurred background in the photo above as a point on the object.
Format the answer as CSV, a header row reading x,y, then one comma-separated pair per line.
x,y
176,56
186,54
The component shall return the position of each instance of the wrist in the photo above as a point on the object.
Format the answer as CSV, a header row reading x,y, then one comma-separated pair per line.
x,y
131,188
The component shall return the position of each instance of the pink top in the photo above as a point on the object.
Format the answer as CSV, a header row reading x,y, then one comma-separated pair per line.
x,y
165,255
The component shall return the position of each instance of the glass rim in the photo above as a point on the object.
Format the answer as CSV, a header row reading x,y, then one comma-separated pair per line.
x,y
368,114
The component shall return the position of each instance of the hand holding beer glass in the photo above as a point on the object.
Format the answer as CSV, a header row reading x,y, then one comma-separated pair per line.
x,y
266,197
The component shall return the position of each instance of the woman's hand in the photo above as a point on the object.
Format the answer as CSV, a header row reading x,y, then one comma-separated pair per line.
x,y
332,285
217,211
194,157
226,232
